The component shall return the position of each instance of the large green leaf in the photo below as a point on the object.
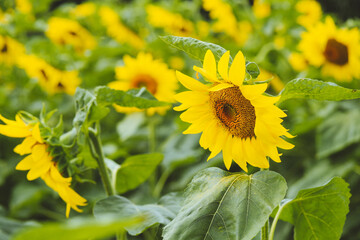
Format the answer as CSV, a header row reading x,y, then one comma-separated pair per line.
x,y
78,228
318,90
223,205
193,47
318,213
133,171
337,132
9,227
152,214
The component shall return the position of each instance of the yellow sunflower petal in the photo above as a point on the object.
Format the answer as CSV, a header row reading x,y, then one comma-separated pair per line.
x,y
199,125
26,146
220,86
219,143
227,151
281,143
25,164
192,97
206,137
251,92
210,64
36,133
190,83
237,69
205,74
223,66
238,153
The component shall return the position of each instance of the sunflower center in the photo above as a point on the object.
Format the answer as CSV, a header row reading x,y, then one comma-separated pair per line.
x,y
4,49
234,112
143,80
336,52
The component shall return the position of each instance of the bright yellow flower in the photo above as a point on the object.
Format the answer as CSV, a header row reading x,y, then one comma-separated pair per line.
x,y
66,31
310,12
336,51
275,82
144,71
172,23
234,118
10,50
24,6
51,79
117,30
261,9
298,62
84,10
39,163
226,21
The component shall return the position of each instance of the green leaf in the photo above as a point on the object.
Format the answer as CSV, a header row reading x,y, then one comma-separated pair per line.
x,y
318,213
318,90
252,69
139,98
337,132
9,227
78,228
116,205
223,205
134,171
193,47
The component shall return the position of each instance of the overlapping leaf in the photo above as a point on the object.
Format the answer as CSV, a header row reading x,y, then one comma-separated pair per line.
x,y
318,90
221,205
120,206
318,213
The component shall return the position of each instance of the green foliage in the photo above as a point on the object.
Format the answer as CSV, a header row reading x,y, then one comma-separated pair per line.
x,y
252,69
318,213
337,132
133,171
222,205
193,47
120,206
318,90
78,228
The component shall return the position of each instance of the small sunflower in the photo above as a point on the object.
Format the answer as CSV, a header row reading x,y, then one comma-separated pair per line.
x,y
336,51
64,31
234,118
10,50
310,12
39,163
144,71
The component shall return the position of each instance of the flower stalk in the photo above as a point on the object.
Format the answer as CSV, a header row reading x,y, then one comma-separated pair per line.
x,y
97,153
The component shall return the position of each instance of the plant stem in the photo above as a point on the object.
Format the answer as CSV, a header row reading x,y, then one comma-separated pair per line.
x,y
160,184
97,153
265,231
265,228
276,219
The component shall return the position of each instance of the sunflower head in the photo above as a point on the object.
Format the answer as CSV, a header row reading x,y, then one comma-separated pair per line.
x,y
233,117
335,50
144,71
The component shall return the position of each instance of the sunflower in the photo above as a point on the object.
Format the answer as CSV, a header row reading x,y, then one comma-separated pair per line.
x,y
10,50
117,30
172,23
39,162
336,51
66,31
261,9
50,79
144,71
234,118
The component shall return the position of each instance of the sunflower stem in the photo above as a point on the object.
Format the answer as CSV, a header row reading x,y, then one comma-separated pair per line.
x,y
276,219
97,153
265,231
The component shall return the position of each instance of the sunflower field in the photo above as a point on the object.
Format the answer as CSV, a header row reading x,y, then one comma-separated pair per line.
x,y
179,120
